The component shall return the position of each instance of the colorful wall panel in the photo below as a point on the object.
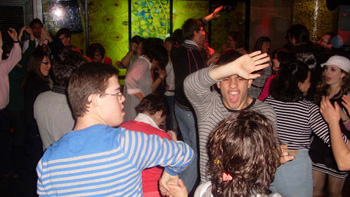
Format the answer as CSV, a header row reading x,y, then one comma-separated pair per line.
x,y
185,9
150,18
108,25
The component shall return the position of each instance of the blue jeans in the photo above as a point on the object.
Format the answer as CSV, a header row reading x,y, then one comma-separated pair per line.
x,y
294,178
187,125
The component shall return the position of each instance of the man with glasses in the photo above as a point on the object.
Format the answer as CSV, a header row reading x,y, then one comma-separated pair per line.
x,y
96,159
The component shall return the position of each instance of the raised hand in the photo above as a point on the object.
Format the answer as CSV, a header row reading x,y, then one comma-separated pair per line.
x,y
330,114
21,32
13,34
30,32
249,63
216,12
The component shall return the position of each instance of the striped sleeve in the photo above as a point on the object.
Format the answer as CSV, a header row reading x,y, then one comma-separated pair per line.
x,y
146,151
197,90
317,124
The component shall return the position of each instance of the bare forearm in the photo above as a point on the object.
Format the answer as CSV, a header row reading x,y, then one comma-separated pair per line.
x,y
139,95
340,150
156,83
126,60
223,71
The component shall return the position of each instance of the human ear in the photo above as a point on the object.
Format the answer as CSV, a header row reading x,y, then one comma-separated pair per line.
x,y
218,84
250,81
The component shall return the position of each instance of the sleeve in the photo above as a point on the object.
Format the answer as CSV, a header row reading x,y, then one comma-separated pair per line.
x,y
197,90
145,151
26,54
134,75
13,59
317,124
41,191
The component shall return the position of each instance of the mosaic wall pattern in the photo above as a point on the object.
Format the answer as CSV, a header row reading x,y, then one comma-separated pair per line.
x,y
315,16
150,18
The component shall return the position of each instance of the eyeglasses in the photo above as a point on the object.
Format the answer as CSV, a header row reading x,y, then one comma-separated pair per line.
x,y
118,94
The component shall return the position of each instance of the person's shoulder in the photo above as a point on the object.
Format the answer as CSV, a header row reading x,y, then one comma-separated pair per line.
x,y
263,108
137,126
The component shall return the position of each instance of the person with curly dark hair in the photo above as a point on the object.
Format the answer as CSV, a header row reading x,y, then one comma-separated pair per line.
x,y
243,157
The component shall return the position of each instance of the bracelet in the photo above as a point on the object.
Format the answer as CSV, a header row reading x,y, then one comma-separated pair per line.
x,y
345,120
16,41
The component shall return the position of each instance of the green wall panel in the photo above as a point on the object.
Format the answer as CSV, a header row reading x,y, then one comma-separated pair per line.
x,y
108,25
183,10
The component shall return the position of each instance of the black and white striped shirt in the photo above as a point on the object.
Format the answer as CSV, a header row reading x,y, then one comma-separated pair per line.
x,y
296,121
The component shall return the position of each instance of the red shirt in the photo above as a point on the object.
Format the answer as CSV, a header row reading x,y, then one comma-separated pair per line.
x,y
150,176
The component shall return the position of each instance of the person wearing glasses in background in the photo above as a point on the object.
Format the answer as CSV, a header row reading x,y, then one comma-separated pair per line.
x,y
51,109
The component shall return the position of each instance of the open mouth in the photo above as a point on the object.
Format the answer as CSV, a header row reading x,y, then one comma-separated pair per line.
x,y
233,96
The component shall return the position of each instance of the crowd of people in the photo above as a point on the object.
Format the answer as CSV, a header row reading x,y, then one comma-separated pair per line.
x,y
188,121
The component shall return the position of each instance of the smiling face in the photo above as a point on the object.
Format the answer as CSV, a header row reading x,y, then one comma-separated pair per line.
x,y
45,66
110,107
333,75
234,91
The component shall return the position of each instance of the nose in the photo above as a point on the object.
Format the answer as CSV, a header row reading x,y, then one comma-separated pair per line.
x,y
233,82
122,99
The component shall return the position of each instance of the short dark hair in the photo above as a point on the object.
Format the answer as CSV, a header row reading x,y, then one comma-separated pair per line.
x,y
35,21
228,56
137,39
237,37
155,51
260,41
190,26
299,32
178,37
285,86
243,145
95,47
169,39
64,64
151,104
34,63
67,33
89,78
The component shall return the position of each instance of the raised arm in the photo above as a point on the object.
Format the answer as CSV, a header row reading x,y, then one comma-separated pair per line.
x,y
244,66
15,54
214,14
340,150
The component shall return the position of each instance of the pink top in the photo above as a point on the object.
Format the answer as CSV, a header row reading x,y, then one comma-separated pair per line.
x,y
266,91
150,176
5,68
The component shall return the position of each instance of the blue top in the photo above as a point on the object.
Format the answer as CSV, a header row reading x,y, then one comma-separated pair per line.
x,y
101,160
